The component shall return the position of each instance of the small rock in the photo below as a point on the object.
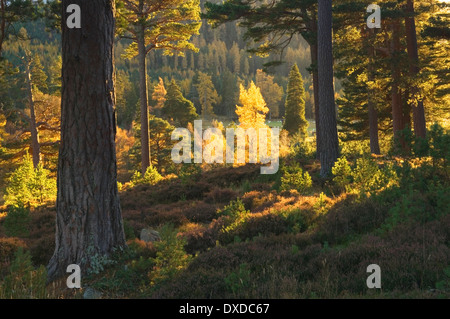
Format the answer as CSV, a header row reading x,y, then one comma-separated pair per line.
x,y
149,235
91,293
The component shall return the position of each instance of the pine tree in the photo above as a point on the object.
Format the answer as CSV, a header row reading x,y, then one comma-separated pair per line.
x,y
155,24
55,76
294,119
12,12
207,95
160,142
234,59
177,108
271,92
126,99
38,75
229,91
88,213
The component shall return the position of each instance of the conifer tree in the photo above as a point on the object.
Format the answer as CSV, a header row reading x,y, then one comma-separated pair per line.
x,y
229,93
155,24
207,95
12,12
271,92
177,108
38,75
295,121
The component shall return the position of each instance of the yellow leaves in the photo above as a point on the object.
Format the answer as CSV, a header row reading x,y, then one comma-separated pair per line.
x,y
253,109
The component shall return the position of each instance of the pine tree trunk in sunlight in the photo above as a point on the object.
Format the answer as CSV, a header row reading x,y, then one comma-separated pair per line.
x,y
89,219
329,143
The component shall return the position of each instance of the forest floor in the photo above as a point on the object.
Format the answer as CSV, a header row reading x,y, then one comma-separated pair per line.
x,y
233,233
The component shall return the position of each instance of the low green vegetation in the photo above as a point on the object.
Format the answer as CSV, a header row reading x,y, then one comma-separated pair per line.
x,y
235,234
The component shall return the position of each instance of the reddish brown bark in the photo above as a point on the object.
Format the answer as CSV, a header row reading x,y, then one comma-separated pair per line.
x,y
88,221
413,57
396,95
329,144
35,146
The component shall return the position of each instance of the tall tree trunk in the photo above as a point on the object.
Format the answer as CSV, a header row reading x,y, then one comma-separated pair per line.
x,y
33,128
312,41
88,214
413,56
315,76
145,139
372,111
396,97
329,144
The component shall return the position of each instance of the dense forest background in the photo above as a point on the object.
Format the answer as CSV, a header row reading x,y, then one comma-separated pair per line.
x,y
222,55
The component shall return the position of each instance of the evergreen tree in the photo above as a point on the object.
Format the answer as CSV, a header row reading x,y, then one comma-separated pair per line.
x,y
160,142
12,12
177,108
271,92
294,120
55,76
207,95
229,92
126,99
154,24
38,75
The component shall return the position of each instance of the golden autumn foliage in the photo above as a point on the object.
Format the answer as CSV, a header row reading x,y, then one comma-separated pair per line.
x,y
253,109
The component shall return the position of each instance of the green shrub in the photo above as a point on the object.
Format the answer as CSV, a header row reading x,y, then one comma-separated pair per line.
x,y
171,257
368,177
23,281
8,247
239,281
189,173
150,177
444,284
234,215
294,178
17,222
29,185
354,149
295,220
302,149
342,173
439,144
128,230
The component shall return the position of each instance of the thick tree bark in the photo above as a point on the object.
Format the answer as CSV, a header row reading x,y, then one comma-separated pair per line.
x,y
89,220
396,97
329,144
315,77
145,139
372,111
33,128
413,56
312,26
